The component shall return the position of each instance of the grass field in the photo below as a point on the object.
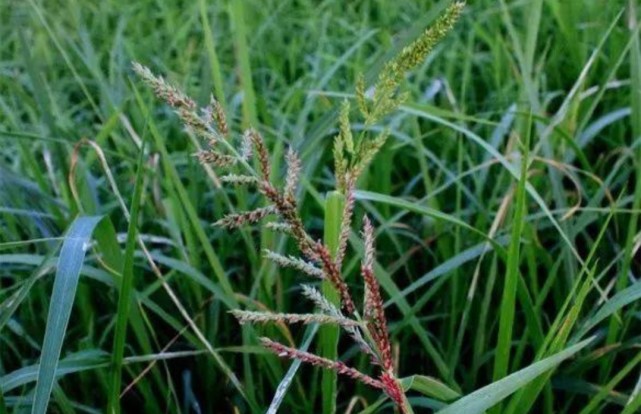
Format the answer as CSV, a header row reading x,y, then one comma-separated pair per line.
x,y
506,205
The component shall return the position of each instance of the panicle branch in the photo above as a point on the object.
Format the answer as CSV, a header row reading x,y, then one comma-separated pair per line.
x,y
239,179
215,158
290,318
373,310
417,51
217,115
246,146
263,154
293,175
232,221
279,227
354,332
295,263
393,389
292,353
386,98
333,274
168,93
346,221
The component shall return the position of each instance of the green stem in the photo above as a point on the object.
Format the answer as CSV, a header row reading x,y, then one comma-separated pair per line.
x,y
334,204
125,293
407,407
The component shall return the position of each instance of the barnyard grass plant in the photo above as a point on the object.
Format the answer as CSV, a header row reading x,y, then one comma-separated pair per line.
x,y
245,158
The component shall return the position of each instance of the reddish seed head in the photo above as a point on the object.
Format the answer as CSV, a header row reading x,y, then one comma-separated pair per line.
x,y
392,388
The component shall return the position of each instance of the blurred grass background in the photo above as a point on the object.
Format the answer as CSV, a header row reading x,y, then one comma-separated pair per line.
x,y
73,120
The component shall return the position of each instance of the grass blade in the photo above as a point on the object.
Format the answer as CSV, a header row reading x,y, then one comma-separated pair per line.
x,y
70,261
126,289
618,301
615,328
237,17
429,387
488,396
407,205
508,302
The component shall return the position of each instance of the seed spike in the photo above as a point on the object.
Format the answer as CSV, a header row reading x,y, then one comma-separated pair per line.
x,y
295,263
244,316
309,358
232,221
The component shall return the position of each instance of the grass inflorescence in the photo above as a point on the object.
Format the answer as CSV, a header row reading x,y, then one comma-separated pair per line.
x,y
367,207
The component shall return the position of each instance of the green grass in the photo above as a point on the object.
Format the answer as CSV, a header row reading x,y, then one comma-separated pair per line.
x,y
509,287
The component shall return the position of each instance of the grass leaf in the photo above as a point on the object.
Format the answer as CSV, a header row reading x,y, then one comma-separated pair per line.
x,y
70,261
490,395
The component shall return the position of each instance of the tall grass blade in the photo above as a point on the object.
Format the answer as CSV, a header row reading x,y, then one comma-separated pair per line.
x,y
125,292
617,302
70,261
635,104
490,395
508,301
237,16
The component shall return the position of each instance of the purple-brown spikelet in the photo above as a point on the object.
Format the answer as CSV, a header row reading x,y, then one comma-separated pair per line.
x,y
374,312
195,123
393,389
292,353
215,158
261,150
287,210
232,221
168,93
333,274
218,115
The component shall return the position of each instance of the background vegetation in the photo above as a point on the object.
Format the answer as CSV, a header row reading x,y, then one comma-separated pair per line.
x,y
480,283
